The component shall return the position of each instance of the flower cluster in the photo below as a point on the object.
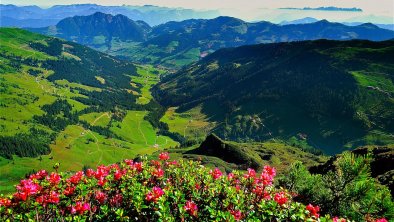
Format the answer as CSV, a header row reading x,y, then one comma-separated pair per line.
x,y
155,194
313,210
155,190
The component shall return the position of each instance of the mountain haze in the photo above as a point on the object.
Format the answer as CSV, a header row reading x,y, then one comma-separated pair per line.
x,y
174,44
35,17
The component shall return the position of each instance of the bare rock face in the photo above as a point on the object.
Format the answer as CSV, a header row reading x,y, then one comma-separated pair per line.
x,y
382,164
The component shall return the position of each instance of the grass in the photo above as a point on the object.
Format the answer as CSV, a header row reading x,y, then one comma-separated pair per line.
x,y
16,41
366,79
97,119
146,78
72,150
190,124
140,132
74,85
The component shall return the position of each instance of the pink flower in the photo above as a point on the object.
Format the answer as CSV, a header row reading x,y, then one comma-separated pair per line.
x,y
230,176
39,175
138,166
80,208
237,214
101,182
54,178
150,197
27,188
336,219
381,220
129,162
118,175
313,210
154,195
172,163
101,172
69,191
90,173
216,173
155,163
41,200
21,196
267,176
158,172
251,173
270,171
53,197
191,208
261,192
164,156
114,166
76,177
5,202
280,198
157,191
100,197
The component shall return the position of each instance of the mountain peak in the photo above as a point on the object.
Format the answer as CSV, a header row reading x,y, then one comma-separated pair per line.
x,y
227,19
368,25
86,28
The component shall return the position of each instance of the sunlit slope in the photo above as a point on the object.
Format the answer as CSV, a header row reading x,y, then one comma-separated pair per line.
x,y
62,102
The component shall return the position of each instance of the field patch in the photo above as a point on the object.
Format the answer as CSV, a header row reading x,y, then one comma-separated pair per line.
x,y
146,77
191,124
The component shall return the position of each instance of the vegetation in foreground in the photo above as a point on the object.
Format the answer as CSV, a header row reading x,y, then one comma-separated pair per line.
x,y
157,190
348,189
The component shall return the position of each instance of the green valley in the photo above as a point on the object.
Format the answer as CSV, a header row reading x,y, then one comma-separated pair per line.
x,y
67,116
63,103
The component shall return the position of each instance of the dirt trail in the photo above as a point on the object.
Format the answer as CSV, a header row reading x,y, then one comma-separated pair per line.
x,y
86,132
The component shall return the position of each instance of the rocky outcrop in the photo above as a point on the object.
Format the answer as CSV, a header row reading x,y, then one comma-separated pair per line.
x,y
214,146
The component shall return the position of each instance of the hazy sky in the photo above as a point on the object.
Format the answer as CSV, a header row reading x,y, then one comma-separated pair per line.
x,y
253,9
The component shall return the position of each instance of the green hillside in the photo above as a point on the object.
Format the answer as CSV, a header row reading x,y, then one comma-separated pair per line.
x,y
65,103
320,94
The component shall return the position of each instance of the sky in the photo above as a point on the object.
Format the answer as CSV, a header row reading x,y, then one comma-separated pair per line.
x,y
373,10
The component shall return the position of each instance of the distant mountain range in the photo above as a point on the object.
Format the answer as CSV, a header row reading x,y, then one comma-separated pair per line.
x,y
174,44
327,94
307,20
34,16
330,8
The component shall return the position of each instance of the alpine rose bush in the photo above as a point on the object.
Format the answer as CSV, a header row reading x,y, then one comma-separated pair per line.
x,y
155,191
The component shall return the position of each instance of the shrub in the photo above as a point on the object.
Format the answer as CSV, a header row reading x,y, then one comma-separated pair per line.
x,y
154,190
348,190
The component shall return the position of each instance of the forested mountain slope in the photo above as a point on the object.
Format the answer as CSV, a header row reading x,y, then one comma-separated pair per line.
x,y
324,94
